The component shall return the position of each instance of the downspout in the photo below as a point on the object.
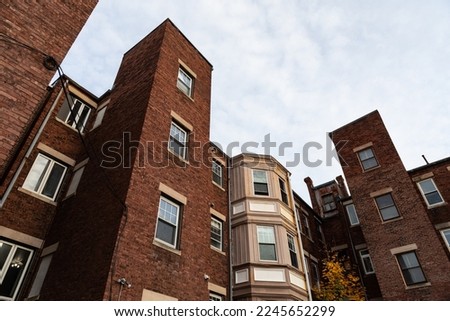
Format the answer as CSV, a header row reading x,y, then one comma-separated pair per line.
x,y
230,241
30,149
302,254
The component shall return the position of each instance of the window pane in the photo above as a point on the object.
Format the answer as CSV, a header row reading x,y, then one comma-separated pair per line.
x,y
259,177
352,216
427,186
76,106
216,234
82,118
13,275
414,275
446,234
408,260
37,173
267,252
366,154
384,201
266,234
369,163
165,232
53,181
389,213
5,249
168,212
433,198
261,189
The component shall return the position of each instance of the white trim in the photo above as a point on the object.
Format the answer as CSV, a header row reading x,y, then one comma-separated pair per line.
x,y
50,249
253,183
175,241
367,255
221,233
445,239
435,190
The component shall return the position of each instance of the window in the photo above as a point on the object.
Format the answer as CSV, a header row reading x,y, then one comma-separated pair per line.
x,y
217,171
283,191
40,276
315,276
14,261
266,241
411,269
328,202
260,183
75,181
99,118
216,233
184,82
305,226
292,251
319,230
367,159
45,177
366,262
430,192
352,216
168,218
215,297
446,236
178,140
74,113
387,207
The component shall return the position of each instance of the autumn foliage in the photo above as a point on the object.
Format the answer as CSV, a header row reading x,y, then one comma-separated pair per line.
x,y
337,284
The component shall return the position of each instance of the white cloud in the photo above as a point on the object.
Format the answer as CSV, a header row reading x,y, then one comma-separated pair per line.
x,y
297,69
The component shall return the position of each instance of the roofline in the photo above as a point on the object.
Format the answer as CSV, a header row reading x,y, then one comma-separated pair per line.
x,y
355,121
178,29
325,184
265,156
443,160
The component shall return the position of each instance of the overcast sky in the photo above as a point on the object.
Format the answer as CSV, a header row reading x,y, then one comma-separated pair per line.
x,y
297,69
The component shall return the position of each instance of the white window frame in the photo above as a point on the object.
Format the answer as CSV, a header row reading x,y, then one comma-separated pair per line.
x,y
7,265
43,177
186,88
215,297
83,105
272,228
217,170
424,195
253,182
364,256
184,144
176,225
99,117
363,161
213,219
352,217
75,181
447,241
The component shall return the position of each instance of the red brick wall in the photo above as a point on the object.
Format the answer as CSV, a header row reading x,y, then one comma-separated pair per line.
x,y
49,27
414,227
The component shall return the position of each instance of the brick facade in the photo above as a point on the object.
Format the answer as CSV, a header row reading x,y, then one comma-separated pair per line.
x,y
411,230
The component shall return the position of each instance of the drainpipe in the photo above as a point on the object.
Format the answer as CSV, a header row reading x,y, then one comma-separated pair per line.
x,y
302,254
30,149
230,241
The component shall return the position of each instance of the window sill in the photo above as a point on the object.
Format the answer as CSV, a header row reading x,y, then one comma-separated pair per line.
x,y
421,285
393,220
38,196
370,169
223,189
437,205
68,126
217,250
166,247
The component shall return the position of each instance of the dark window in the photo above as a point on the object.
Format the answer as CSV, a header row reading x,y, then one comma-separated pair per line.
x,y
260,182
367,262
411,269
387,207
292,251
283,191
352,215
367,159
305,226
216,233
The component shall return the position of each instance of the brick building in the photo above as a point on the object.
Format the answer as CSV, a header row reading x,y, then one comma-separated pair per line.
x,y
404,215
30,33
124,197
